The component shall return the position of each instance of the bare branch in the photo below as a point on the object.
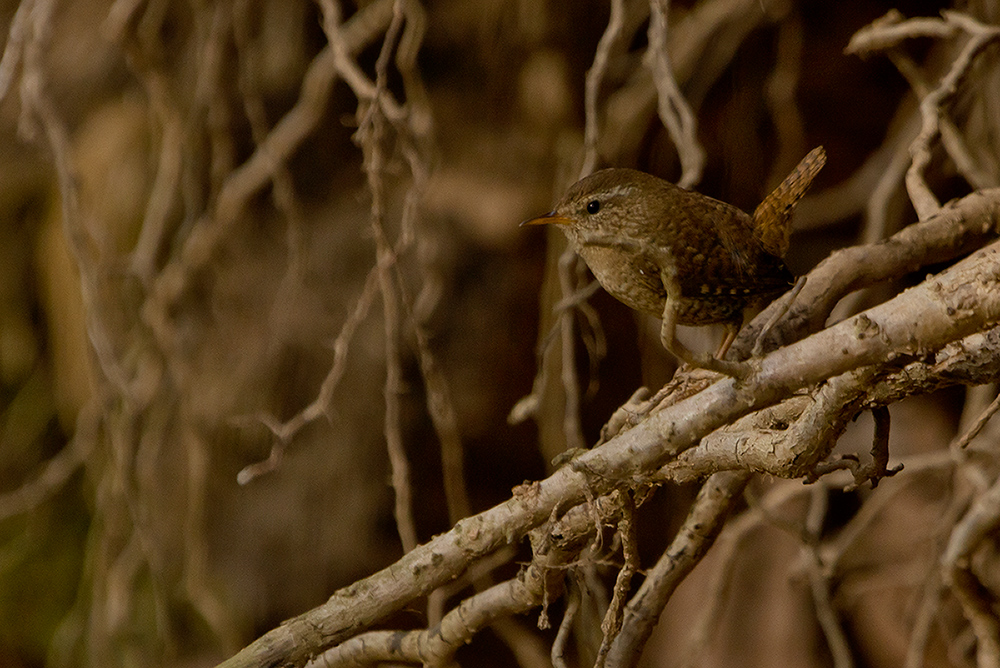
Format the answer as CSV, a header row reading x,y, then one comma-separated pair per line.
x,y
611,626
595,77
889,30
246,180
13,51
675,112
932,109
565,627
819,581
978,425
57,470
955,230
982,519
570,384
702,526
754,444
285,431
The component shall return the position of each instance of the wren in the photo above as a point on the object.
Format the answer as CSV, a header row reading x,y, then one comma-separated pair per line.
x,y
680,255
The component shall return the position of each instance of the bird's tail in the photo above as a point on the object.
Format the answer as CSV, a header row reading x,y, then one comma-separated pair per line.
x,y
772,219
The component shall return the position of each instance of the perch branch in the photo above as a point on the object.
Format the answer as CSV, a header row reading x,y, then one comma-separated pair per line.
x,y
961,300
752,444
956,229
554,547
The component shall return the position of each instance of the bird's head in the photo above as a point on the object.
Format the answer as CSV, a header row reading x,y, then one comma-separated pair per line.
x,y
604,202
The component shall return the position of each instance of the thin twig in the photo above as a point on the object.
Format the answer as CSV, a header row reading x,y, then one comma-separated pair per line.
x,y
285,431
892,28
371,136
951,137
13,52
283,192
558,654
58,469
885,33
932,109
444,417
592,87
570,384
923,624
977,426
781,97
612,624
699,531
210,230
674,110
729,549
819,581
982,519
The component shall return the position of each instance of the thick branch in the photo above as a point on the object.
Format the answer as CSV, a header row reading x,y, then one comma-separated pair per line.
x,y
958,228
961,300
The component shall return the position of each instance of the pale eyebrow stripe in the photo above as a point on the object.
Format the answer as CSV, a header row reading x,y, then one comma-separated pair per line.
x,y
619,191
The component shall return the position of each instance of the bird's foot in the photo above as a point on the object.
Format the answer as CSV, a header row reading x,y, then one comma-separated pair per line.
x,y
737,370
668,336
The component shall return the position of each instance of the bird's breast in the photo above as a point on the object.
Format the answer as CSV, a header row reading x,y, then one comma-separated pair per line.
x,y
628,276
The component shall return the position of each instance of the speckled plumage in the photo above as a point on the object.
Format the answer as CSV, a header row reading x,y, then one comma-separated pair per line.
x,y
680,255
650,238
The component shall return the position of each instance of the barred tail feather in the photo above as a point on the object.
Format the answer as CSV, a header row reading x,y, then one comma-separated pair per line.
x,y
772,218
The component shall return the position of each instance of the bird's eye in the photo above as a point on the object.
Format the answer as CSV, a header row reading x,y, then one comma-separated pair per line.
x,y
593,206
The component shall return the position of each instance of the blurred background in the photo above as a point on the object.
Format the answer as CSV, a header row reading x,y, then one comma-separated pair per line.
x,y
188,244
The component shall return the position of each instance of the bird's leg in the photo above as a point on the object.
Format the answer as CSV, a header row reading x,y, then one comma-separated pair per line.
x,y
732,329
668,335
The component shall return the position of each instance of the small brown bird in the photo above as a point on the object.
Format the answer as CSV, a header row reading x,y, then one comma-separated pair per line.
x,y
682,256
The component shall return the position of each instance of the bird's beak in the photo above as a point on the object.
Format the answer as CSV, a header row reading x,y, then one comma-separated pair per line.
x,y
551,218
